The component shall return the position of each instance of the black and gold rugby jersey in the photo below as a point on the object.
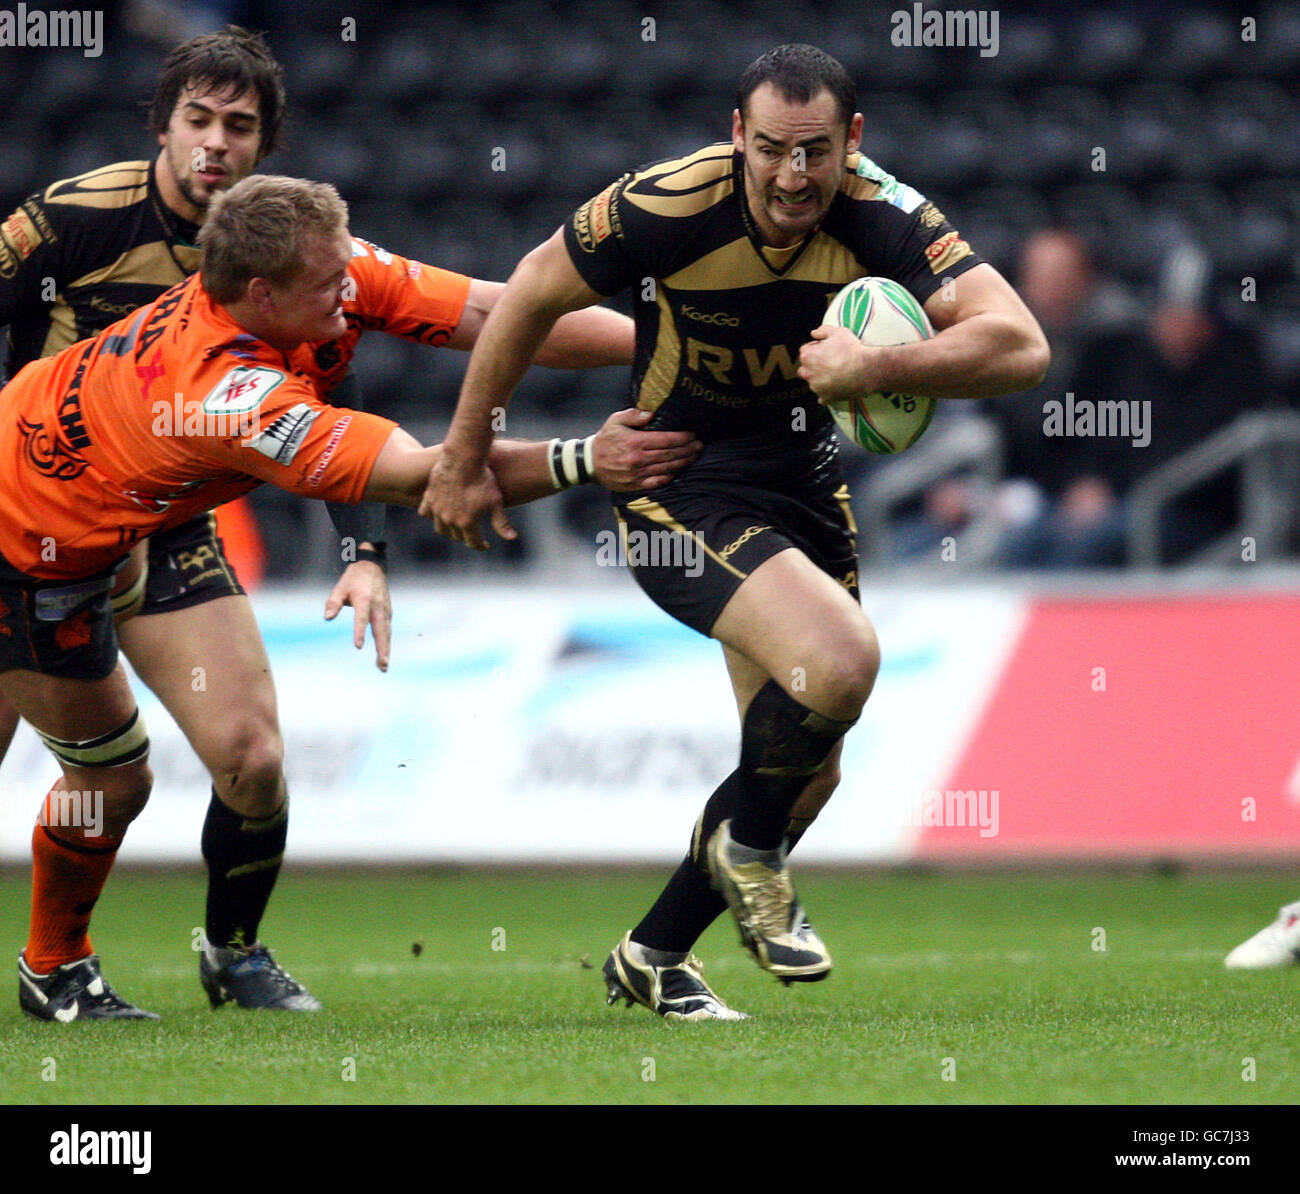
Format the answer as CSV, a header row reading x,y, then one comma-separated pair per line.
x,y
84,252
720,316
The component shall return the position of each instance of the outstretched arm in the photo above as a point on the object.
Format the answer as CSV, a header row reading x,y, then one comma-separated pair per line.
x,y
580,340
626,459
544,287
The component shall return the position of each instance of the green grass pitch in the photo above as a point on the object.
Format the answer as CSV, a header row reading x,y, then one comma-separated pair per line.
x,y
948,989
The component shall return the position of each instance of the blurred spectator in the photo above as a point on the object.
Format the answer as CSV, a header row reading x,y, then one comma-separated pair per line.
x,y
1077,307
1185,374
1057,512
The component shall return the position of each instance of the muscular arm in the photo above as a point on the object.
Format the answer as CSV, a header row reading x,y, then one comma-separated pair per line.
x,y
544,287
462,489
579,340
986,343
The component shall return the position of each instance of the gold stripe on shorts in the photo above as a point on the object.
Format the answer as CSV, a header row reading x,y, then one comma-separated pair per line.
x,y
656,513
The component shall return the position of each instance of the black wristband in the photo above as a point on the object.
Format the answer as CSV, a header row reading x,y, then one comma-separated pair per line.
x,y
378,554
366,522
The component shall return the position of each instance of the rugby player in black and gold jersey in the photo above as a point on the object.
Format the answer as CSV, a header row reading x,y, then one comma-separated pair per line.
x,y
114,239
746,243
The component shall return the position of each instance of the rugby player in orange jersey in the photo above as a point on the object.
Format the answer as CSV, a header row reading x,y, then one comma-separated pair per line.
x,y
189,402
112,240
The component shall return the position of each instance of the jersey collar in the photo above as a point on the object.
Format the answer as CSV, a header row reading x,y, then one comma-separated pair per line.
x,y
778,262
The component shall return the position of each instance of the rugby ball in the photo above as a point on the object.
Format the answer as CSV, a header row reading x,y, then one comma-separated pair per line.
x,y
881,312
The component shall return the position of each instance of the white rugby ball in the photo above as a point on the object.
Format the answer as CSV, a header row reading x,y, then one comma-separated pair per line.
x,y
881,313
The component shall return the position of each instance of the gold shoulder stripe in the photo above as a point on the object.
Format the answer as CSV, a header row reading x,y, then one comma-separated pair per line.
x,y
149,264
118,185
684,174
685,186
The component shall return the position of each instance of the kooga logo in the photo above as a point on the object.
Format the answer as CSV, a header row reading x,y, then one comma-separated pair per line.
x,y
717,318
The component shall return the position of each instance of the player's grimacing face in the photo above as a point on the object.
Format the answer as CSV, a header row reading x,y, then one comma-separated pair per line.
x,y
309,308
794,160
213,140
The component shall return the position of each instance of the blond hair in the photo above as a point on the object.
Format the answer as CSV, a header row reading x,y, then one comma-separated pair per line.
x,y
261,228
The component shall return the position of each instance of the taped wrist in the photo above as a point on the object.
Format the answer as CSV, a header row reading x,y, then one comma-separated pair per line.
x,y
571,461
377,553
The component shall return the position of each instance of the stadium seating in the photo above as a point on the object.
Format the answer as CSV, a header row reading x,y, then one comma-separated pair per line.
x,y
1199,138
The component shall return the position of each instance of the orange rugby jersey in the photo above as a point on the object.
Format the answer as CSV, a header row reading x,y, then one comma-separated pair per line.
x,y
176,409
395,295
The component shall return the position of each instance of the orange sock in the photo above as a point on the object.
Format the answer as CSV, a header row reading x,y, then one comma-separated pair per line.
x,y
68,873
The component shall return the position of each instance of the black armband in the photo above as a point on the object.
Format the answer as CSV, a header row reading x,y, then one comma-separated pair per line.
x,y
366,523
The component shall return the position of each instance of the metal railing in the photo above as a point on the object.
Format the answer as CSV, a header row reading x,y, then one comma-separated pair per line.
x,y
1267,447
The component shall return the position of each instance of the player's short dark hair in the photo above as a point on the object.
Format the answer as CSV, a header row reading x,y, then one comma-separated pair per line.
x,y
799,72
233,61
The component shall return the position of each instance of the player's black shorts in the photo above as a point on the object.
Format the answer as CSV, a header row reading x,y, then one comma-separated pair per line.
x,y
691,549
57,627
187,566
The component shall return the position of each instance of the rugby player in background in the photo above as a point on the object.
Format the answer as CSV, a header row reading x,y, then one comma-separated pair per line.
x,y
1276,944
747,243
108,242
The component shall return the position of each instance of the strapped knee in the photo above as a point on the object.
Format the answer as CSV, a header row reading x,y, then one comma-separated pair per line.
x,y
126,744
783,739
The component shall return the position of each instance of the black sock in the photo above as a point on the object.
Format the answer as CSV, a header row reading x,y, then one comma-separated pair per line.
x,y
782,745
243,856
688,904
